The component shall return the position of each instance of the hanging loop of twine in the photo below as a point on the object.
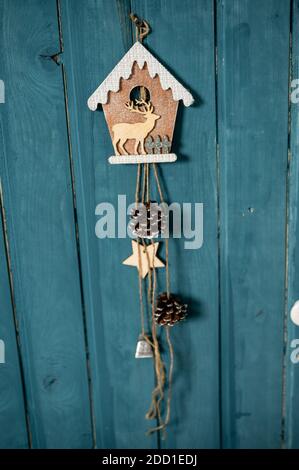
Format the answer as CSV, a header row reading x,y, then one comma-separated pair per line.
x,y
142,27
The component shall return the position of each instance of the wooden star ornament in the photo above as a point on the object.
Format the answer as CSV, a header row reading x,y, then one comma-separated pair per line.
x,y
146,259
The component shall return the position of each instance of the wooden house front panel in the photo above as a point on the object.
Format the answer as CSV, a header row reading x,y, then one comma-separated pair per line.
x,y
162,100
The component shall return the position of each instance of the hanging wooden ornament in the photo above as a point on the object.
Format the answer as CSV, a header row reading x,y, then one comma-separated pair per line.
x,y
140,100
144,258
139,125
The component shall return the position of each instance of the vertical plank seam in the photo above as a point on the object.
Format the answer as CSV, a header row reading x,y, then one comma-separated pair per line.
x,y
76,226
286,293
217,158
14,311
24,345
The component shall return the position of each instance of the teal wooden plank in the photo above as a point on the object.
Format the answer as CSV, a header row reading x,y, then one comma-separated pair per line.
x,y
292,369
183,39
37,190
13,430
95,38
253,55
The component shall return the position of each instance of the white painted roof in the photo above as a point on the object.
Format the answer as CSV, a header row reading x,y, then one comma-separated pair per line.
x,y
138,53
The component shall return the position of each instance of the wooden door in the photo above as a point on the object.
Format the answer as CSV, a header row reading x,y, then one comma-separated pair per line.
x,y
69,312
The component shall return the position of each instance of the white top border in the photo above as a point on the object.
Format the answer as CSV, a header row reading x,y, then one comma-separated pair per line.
x,y
138,53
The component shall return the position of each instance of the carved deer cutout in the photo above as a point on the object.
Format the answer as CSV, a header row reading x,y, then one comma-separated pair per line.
x,y
137,131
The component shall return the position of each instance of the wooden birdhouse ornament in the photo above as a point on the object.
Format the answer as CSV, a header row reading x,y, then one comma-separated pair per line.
x,y
140,101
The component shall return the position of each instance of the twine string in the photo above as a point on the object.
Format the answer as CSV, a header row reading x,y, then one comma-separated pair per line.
x,y
142,28
166,239
169,342
154,411
145,199
147,183
140,292
139,254
137,185
158,392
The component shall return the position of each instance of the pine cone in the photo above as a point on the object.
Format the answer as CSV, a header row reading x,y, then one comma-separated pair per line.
x,y
169,310
148,220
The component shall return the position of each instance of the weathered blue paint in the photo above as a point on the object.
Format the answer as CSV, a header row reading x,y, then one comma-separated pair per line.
x,y
37,192
292,383
230,387
13,430
179,31
253,47
121,385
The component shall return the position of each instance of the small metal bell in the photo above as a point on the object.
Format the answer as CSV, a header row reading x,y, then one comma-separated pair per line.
x,y
143,349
